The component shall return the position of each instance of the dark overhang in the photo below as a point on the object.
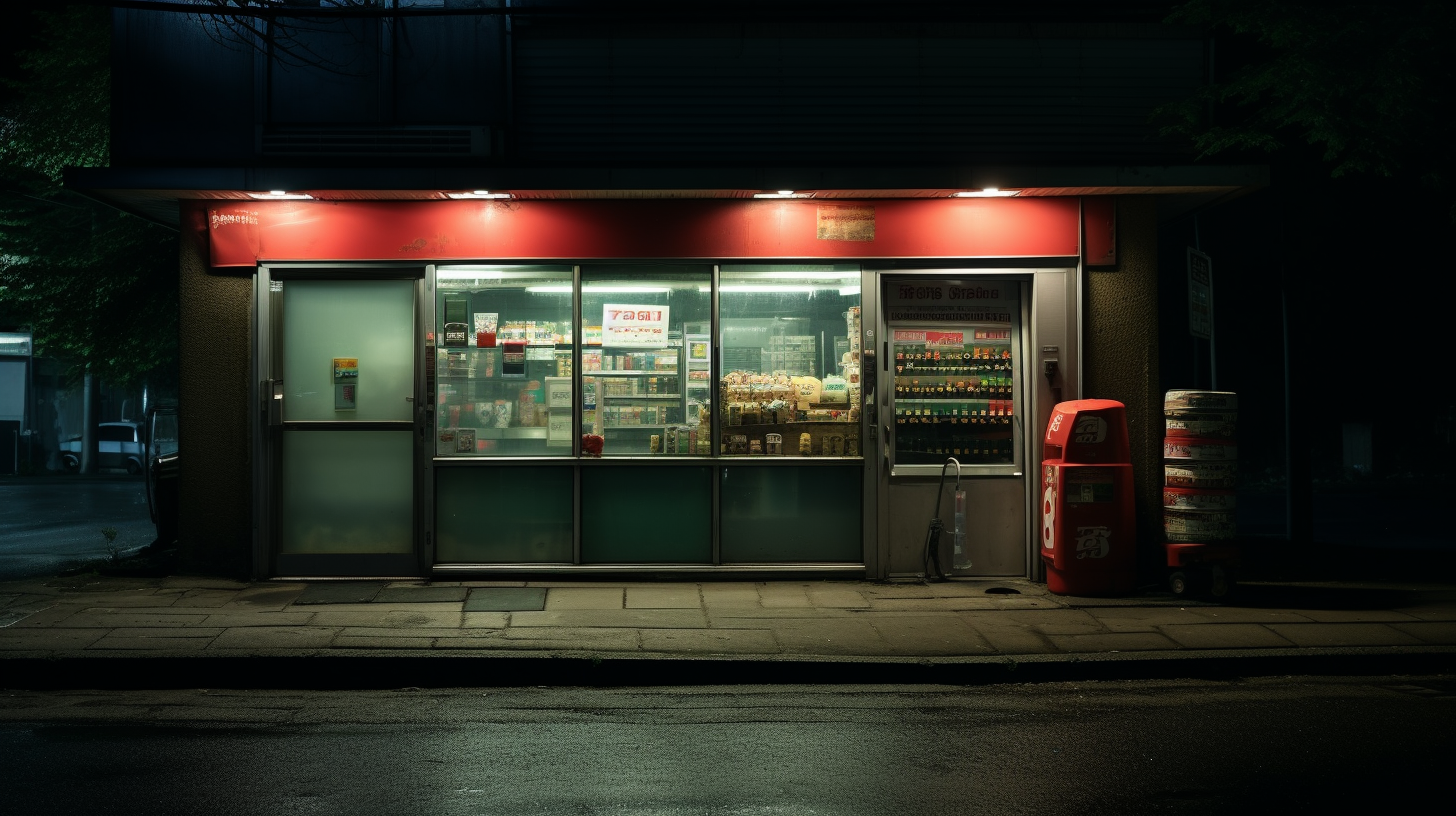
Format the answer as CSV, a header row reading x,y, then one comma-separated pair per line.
x,y
153,192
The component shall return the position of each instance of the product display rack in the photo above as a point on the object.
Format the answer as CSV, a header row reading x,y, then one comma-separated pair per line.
x,y
636,400
792,354
776,415
832,437
699,381
956,401
482,411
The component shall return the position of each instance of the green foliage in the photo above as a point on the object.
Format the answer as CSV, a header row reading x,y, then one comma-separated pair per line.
x,y
1366,85
97,287
65,94
112,550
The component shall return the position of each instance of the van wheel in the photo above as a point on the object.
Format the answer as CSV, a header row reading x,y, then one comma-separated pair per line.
x,y
71,465
133,467
1187,583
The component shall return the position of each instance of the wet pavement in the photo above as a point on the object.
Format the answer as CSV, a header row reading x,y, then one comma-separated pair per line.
x,y
51,523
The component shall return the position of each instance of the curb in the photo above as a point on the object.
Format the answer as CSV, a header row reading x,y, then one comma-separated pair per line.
x,y
345,671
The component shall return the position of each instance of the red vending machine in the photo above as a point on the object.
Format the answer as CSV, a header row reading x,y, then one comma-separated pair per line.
x,y
1088,530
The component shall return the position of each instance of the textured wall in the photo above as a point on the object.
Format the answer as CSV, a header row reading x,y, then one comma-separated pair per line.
x,y
215,527
1120,359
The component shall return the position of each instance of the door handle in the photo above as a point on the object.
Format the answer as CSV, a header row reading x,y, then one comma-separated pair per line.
x,y
273,402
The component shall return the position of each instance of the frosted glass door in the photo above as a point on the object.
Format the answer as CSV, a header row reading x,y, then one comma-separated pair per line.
x,y
369,322
344,451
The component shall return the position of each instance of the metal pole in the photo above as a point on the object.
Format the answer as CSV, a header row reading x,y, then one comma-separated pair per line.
x,y
1212,321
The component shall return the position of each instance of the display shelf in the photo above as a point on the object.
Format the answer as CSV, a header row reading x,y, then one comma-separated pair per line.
x,y
662,373
510,433
795,355
825,438
699,365
484,412
954,401
631,427
636,397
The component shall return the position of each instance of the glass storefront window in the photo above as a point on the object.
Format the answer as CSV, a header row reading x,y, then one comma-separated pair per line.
x,y
645,334
503,346
789,380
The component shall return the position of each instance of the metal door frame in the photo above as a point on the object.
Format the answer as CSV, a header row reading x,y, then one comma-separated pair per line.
x,y
266,430
1046,314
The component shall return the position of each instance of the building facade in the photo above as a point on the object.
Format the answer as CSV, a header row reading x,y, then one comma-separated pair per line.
x,y
563,288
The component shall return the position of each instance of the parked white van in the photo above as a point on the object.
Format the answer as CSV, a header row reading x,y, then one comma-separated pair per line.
x,y
118,445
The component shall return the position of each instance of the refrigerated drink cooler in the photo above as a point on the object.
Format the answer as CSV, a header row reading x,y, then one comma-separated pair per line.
x,y
953,395
954,389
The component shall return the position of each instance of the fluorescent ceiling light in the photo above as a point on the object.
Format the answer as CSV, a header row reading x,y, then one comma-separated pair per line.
x,y
768,288
849,290
565,288
479,273
989,192
478,194
279,195
824,276
782,194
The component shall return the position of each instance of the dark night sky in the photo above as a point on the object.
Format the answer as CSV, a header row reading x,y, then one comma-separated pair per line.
x,y
15,33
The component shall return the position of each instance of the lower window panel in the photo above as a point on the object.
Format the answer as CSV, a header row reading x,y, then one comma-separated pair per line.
x,y
503,515
792,514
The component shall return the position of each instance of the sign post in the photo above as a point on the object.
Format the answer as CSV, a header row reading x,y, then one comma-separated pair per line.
x,y
1200,305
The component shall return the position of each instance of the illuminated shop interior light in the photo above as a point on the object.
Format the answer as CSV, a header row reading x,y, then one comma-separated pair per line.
x,y
824,276
280,195
782,194
989,192
478,194
565,288
782,288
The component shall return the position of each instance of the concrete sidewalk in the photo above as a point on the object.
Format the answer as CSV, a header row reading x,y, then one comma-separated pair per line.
x,y
94,631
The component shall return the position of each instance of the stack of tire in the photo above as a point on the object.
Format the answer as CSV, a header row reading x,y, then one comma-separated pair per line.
x,y
1200,466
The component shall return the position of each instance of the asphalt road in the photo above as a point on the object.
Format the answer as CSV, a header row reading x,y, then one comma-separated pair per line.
x,y
1299,745
50,523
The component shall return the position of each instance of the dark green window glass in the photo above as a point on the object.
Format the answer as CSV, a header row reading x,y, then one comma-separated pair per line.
x,y
646,515
503,515
791,514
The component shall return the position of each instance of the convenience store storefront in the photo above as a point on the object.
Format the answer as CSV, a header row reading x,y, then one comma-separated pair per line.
x,y
772,387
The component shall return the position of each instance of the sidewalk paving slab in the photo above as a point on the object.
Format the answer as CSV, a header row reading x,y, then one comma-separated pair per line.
x,y
60,631
506,599
1225,636
559,598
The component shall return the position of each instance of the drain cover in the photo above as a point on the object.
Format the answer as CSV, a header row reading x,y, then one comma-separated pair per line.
x,y
1003,591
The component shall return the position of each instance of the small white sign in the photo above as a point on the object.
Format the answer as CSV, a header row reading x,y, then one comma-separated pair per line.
x,y
630,325
1200,294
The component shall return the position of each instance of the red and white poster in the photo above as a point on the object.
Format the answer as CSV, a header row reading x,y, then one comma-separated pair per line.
x,y
629,325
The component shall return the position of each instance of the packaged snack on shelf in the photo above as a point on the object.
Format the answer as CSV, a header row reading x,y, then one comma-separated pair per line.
x,y
834,390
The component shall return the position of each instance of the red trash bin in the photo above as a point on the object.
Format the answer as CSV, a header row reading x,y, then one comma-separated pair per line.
x,y
1088,529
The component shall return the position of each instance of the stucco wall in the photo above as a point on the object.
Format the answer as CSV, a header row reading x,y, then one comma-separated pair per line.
x,y
1120,358
215,528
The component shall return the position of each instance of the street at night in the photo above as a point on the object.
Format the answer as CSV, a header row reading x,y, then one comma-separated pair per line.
x,y
50,524
1295,744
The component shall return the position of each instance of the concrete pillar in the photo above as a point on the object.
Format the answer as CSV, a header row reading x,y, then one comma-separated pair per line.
x,y
1120,359
215,469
